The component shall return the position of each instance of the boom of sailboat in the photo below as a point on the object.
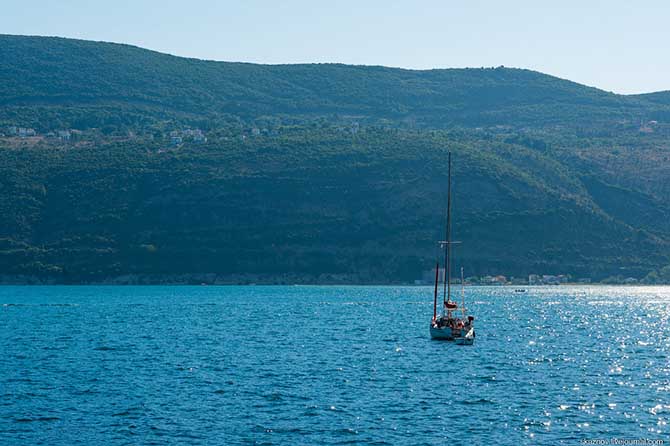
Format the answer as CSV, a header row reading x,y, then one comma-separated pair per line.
x,y
447,325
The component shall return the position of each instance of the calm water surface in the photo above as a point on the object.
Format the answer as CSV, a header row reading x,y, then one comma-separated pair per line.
x,y
330,365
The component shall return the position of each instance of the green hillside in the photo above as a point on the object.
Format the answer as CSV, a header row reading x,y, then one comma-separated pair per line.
x,y
660,97
317,173
109,78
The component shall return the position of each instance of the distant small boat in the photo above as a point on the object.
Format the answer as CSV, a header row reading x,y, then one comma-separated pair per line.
x,y
446,326
520,290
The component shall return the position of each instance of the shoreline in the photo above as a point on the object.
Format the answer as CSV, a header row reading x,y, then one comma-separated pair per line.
x,y
272,284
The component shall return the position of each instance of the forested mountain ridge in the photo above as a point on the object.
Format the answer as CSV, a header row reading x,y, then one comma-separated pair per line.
x,y
56,72
317,173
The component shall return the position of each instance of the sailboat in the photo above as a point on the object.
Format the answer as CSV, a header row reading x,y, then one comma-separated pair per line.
x,y
447,325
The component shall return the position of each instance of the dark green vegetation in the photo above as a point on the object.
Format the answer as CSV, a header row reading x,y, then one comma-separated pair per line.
x,y
343,180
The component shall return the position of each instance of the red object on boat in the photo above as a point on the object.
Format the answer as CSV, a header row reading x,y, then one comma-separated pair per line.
x,y
451,305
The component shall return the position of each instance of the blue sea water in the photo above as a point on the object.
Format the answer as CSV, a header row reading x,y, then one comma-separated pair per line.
x,y
330,365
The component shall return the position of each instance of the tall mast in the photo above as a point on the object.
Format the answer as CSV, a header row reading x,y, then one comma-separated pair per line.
x,y
462,294
437,278
447,245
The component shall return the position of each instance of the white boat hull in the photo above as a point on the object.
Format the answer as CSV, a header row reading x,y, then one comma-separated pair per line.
x,y
459,336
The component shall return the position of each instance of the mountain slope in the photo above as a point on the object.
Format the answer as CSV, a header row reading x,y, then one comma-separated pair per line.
x,y
57,72
317,173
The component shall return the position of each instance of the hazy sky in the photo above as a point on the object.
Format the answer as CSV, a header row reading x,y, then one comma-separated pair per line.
x,y
621,46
